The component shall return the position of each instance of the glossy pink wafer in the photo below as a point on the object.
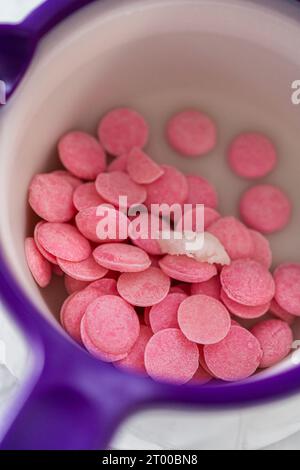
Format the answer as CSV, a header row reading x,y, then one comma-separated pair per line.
x,y
144,289
248,282
164,314
192,133
64,241
112,324
244,311
122,129
183,268
169,356
236,357
40,268
82,155
112,185
234,236
275,338
265,208
287,281
87,270
51,197
203,319
141,168
122,257
135,357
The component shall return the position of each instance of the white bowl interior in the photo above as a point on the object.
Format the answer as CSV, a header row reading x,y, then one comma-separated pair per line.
x,y
235,60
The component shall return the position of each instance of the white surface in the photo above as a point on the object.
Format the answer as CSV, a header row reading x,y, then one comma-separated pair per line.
x,y
242,430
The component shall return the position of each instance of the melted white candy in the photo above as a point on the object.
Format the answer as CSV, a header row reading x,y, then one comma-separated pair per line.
x,y
203,247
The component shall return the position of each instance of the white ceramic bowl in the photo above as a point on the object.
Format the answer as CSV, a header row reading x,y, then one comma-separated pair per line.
x,y
235,59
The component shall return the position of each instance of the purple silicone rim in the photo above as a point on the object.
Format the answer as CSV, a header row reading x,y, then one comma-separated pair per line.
x,y
47,342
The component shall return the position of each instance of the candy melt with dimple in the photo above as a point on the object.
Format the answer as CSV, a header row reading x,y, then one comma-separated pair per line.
x,y
194,306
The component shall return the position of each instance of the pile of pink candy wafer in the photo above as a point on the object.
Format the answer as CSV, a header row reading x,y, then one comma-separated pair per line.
x,y
170,316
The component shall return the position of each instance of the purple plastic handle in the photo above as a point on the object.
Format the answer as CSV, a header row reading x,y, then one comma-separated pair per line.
x,y
71,400
19,42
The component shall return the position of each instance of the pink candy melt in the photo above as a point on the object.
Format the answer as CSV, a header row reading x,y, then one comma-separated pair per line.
x,y
280,313
170,356
244,311
193,219
203,320
87,270
192,133
252,155
141,168
236,357
86,196
82,155
265,208
262,249
275,338
122,258
171,188
248,282
64,241
40,268
48,256
212,288
164,314
103,223
112,324
73,285
287,281
112,185
118,164
113,267
74,182
121,130
234,236
51,197
75,306
183,268
201,377
143,231
94,350
144,289
201,192
135,357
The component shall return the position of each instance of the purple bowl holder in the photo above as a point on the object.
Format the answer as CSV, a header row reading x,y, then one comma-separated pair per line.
x,y
71,400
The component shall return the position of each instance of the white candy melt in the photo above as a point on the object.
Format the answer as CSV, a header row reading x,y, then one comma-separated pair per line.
x,y
203,247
